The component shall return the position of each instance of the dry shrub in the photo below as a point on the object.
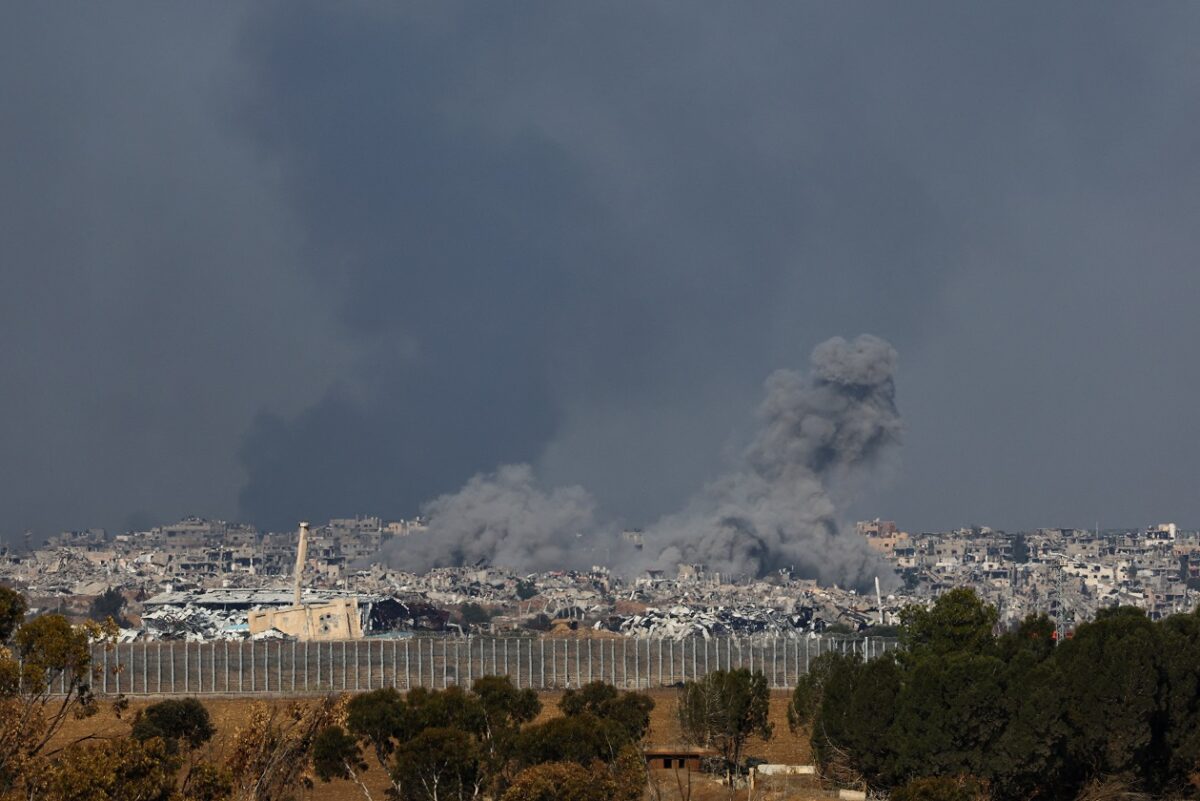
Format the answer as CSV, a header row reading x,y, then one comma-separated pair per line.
x,y
1110,789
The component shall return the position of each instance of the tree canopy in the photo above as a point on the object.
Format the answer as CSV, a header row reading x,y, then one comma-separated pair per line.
x,y
964,706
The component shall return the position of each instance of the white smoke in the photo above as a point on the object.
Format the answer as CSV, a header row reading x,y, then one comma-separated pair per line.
x,y
775,509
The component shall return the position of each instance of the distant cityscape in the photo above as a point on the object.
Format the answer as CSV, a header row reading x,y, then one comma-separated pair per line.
x,y
198,579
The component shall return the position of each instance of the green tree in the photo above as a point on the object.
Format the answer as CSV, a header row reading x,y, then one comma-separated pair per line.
x,y
723,710
13,607
382,719
948,716
1110,684
1180,635
505,709
1029,759
174,721
526,590
855,702
582,738
45,680
336,755
806,698
630,710
452,707
503,705
957,622
438,764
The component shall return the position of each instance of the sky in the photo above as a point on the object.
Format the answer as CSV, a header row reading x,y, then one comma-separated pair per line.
x,y
279,261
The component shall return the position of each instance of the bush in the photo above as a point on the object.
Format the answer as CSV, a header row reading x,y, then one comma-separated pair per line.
x,y
941,788
558,781
116,771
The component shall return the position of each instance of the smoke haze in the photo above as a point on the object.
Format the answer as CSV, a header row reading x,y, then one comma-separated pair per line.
x,y
281,261
501,518
775,509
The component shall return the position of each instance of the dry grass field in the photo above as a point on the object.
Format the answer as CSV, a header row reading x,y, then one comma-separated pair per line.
x,y
229,714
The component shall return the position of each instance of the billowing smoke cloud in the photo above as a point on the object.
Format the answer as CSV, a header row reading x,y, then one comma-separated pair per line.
x,y
501,518
775,509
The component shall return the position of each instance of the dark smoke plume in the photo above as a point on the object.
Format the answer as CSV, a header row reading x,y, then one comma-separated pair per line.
x,y
776,510
818,434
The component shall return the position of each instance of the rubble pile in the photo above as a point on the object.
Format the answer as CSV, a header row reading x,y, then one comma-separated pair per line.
x,y
683,622
194,624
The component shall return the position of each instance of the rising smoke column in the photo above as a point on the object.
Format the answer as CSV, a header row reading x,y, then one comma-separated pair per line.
x,y
776,509
501,519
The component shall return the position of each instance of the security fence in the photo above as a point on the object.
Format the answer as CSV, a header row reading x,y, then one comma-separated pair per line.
x,y
287,667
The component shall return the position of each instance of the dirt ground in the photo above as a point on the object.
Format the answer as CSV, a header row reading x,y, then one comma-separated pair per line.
x,y
228,714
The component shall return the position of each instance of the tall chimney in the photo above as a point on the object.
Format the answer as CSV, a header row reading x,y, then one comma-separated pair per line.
x,y
301,553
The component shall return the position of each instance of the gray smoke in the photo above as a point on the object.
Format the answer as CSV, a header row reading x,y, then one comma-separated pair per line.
x,y
776,509
502,519
818,437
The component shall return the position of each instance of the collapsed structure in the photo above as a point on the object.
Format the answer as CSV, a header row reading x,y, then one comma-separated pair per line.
x,y
332,619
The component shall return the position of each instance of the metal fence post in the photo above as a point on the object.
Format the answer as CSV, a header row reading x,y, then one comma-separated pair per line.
x,y
637,658
625,662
